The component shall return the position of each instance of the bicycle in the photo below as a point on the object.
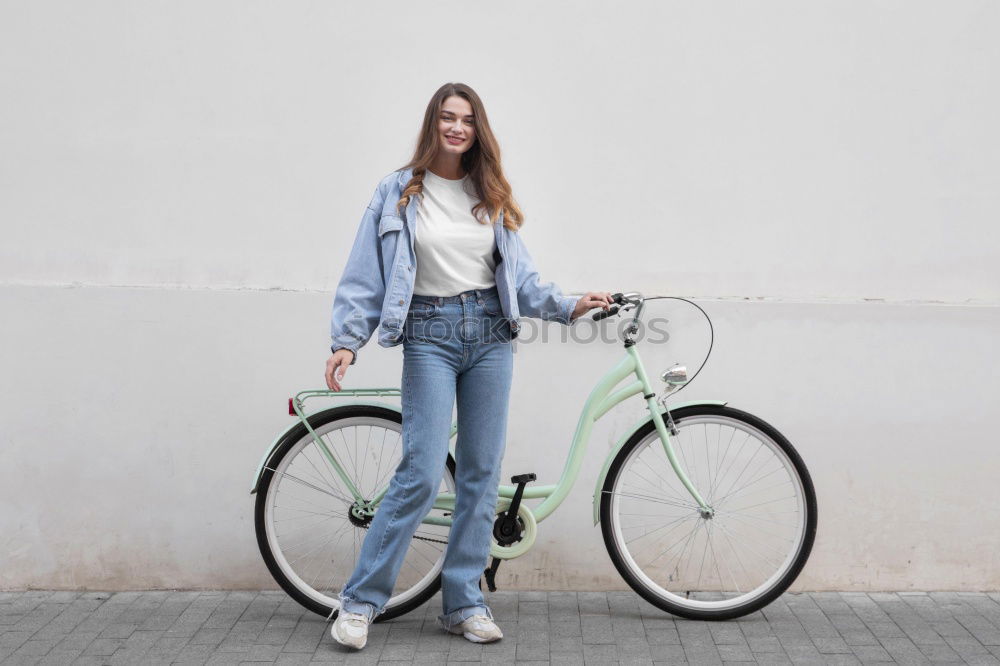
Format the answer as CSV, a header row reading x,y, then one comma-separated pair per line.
x,y
707,511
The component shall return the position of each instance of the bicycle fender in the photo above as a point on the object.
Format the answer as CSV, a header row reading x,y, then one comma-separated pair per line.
x,y
628,435
281,438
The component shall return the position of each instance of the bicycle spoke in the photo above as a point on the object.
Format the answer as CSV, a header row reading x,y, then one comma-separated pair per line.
x,y
646,534
653,499
677,494
310,485
687,539
715,558
736,493
320,560
733,463
770,563
736,583
718,467
326,464
382,477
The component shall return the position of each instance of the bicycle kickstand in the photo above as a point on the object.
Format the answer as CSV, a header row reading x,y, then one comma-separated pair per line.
x,y
506,529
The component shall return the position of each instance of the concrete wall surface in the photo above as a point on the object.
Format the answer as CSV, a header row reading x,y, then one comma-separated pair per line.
x,y
180,184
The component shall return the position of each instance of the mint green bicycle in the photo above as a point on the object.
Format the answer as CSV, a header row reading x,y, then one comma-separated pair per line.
x,y
707,512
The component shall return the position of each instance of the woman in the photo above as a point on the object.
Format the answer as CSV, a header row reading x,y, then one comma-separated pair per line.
x,y
438,266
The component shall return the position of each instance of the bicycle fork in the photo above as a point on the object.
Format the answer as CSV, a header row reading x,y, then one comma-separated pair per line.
x,y
661,428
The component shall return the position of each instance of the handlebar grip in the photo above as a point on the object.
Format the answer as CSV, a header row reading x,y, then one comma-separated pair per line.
x,y
601,314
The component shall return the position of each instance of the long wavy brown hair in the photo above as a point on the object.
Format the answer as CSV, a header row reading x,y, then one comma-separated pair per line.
x,y
481,162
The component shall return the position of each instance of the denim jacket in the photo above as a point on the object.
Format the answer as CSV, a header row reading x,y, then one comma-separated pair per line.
x,y
377,282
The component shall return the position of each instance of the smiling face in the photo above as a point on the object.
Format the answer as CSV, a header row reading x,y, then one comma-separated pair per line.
x,y
456,125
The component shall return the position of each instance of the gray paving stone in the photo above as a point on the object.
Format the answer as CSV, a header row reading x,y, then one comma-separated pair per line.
x,y
638,649
565,660
600,653
596,629
727,633
870,654
34,648
903,650
831,645
263,653
663,637
804,654
906,618
772,659
593,603
531,650
941,654
398,652
275,635
730,652
566,629
225,658
971,650
289,659
565,645
14,639
194,654
500,652
985,631
840,659
463,650
673,653
766,644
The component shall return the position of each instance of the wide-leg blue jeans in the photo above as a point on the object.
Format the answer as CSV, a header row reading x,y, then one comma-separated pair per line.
x,y
456,347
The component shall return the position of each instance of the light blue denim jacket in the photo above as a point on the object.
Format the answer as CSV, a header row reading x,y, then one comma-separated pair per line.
x,y
377,283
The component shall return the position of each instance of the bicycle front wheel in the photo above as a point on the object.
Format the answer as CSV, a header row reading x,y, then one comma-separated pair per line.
x,y
717,564
307,534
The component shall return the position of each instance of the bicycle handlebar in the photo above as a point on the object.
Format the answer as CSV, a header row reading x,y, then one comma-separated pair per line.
x,y
635,300
618,298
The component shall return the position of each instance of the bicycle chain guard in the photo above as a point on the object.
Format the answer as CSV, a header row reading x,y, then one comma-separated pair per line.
x,y
529,531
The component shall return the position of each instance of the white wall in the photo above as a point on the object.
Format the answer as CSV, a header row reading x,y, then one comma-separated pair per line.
x,y
180,184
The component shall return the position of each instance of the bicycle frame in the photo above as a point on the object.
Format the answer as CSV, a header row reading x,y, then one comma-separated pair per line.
x,y
601,399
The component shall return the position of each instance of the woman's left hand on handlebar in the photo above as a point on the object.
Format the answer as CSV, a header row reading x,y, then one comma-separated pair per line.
x,y
590,300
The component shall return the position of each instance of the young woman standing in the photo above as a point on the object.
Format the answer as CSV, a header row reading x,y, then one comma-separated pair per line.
x,y
435,282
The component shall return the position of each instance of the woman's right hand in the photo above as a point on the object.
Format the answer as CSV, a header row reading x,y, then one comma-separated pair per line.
x,y
336,366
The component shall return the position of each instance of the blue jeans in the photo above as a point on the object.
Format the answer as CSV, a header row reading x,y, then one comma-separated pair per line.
x,y
456,346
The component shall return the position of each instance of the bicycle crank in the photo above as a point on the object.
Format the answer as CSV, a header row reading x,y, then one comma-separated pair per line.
x,y
511,527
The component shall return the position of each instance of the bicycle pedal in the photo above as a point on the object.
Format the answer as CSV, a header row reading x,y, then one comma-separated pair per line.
x,y
521,480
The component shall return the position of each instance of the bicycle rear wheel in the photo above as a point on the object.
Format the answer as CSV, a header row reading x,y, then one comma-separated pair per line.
x,y
709,565
306,533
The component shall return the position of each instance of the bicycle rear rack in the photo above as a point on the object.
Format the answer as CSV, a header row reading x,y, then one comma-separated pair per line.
x,y
295,403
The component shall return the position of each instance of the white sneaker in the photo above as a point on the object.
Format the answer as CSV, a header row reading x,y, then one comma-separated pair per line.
x,y
478,629
350,629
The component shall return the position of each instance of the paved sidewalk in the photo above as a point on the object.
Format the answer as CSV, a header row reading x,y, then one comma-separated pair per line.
x,y
40,627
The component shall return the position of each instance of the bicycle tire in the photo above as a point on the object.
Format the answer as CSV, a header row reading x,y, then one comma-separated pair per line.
x,y
642,582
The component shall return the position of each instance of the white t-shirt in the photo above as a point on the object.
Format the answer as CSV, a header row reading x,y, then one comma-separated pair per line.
x,y
454,249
